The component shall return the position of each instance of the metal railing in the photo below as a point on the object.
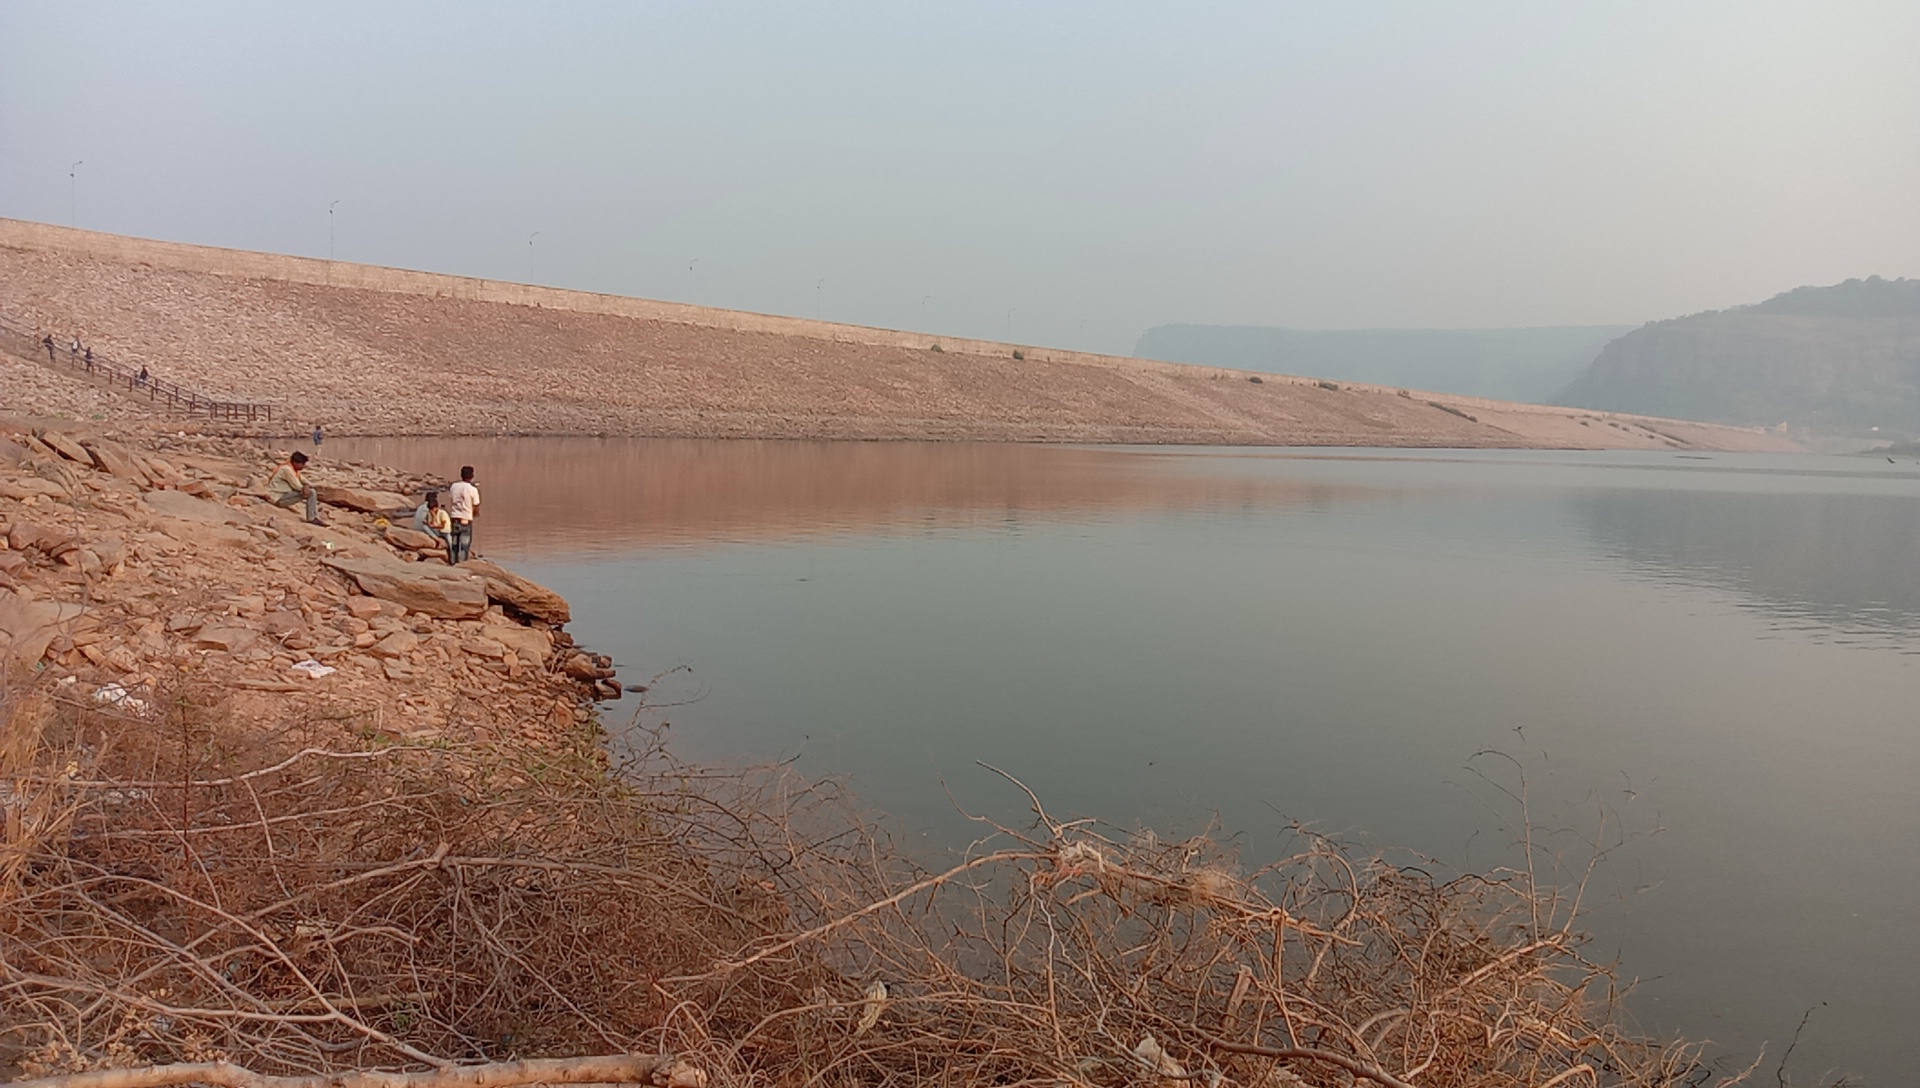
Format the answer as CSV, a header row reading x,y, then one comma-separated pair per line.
x,y
20,341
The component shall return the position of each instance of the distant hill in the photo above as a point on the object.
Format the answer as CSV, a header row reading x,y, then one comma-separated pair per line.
x,y
1503,364
1837,361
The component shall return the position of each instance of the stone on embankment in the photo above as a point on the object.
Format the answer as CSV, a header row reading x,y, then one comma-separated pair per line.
x,y
366,608
162,471
365,500
48,541
115,460
398,644
410,539
230,639
529,644
27,626
65,445
521,594
441,592
20,487
179,504
485,647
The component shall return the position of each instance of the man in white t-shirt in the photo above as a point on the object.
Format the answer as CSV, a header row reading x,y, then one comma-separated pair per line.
x,y
463,502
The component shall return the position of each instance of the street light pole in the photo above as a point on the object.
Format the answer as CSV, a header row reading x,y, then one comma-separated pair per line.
x,y
73,197
530,239
1010,311
330,208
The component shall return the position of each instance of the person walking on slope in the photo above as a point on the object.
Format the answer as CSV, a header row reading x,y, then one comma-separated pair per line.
x,y
288,487
89,358
463,502
48,341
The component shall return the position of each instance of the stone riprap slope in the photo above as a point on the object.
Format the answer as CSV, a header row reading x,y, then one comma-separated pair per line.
x,y
382,351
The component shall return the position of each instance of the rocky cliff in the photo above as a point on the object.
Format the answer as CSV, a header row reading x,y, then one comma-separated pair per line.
x,y
1837,361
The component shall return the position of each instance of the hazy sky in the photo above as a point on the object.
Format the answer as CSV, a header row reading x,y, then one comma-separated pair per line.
x,y
1094,168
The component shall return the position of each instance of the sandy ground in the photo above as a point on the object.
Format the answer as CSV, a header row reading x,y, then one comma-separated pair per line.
x,y
403,359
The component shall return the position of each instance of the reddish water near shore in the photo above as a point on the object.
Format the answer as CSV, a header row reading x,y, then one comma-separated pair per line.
x,y
1723,651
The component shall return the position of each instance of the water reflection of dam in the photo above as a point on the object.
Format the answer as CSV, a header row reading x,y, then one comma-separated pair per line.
x,y
552,496
1848,562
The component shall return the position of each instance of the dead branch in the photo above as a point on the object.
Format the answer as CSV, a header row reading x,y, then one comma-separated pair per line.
x,y
650,1069
291,911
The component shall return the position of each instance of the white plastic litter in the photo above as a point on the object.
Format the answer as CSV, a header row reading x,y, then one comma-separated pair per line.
x,y
117,696
312,668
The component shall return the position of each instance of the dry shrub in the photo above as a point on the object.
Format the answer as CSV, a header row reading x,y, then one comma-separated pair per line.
x,y
175,886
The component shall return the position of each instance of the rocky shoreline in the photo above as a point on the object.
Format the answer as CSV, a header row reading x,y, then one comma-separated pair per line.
x,y
131,562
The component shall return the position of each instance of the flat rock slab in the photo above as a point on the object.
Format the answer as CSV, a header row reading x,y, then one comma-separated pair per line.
x,y
66,446
22,486
529,644
116,460
231,639
27,626
179,504
402,537
362,499
446,593
522,594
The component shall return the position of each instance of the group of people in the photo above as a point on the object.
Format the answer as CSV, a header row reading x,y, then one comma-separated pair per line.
x,y
450,523
82,356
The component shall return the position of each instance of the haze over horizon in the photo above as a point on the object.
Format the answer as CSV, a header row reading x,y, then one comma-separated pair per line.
x,y
1069,176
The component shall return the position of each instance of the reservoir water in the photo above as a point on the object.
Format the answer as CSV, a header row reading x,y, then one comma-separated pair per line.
x,y
1720,651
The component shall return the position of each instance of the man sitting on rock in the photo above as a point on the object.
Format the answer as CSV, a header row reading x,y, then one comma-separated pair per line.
x,y
430,518
288,488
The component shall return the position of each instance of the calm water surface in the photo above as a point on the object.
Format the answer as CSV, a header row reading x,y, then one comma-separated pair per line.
x,y
1722,650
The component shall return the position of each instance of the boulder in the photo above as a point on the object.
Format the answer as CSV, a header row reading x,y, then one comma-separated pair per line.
x,y
586,667
365,608
282,623
362,499
524,595
441,592
19,487
411,539
112,552
27,626
45,539
114,459
163,471
529,644
66,446
484,647
230,639
398,644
